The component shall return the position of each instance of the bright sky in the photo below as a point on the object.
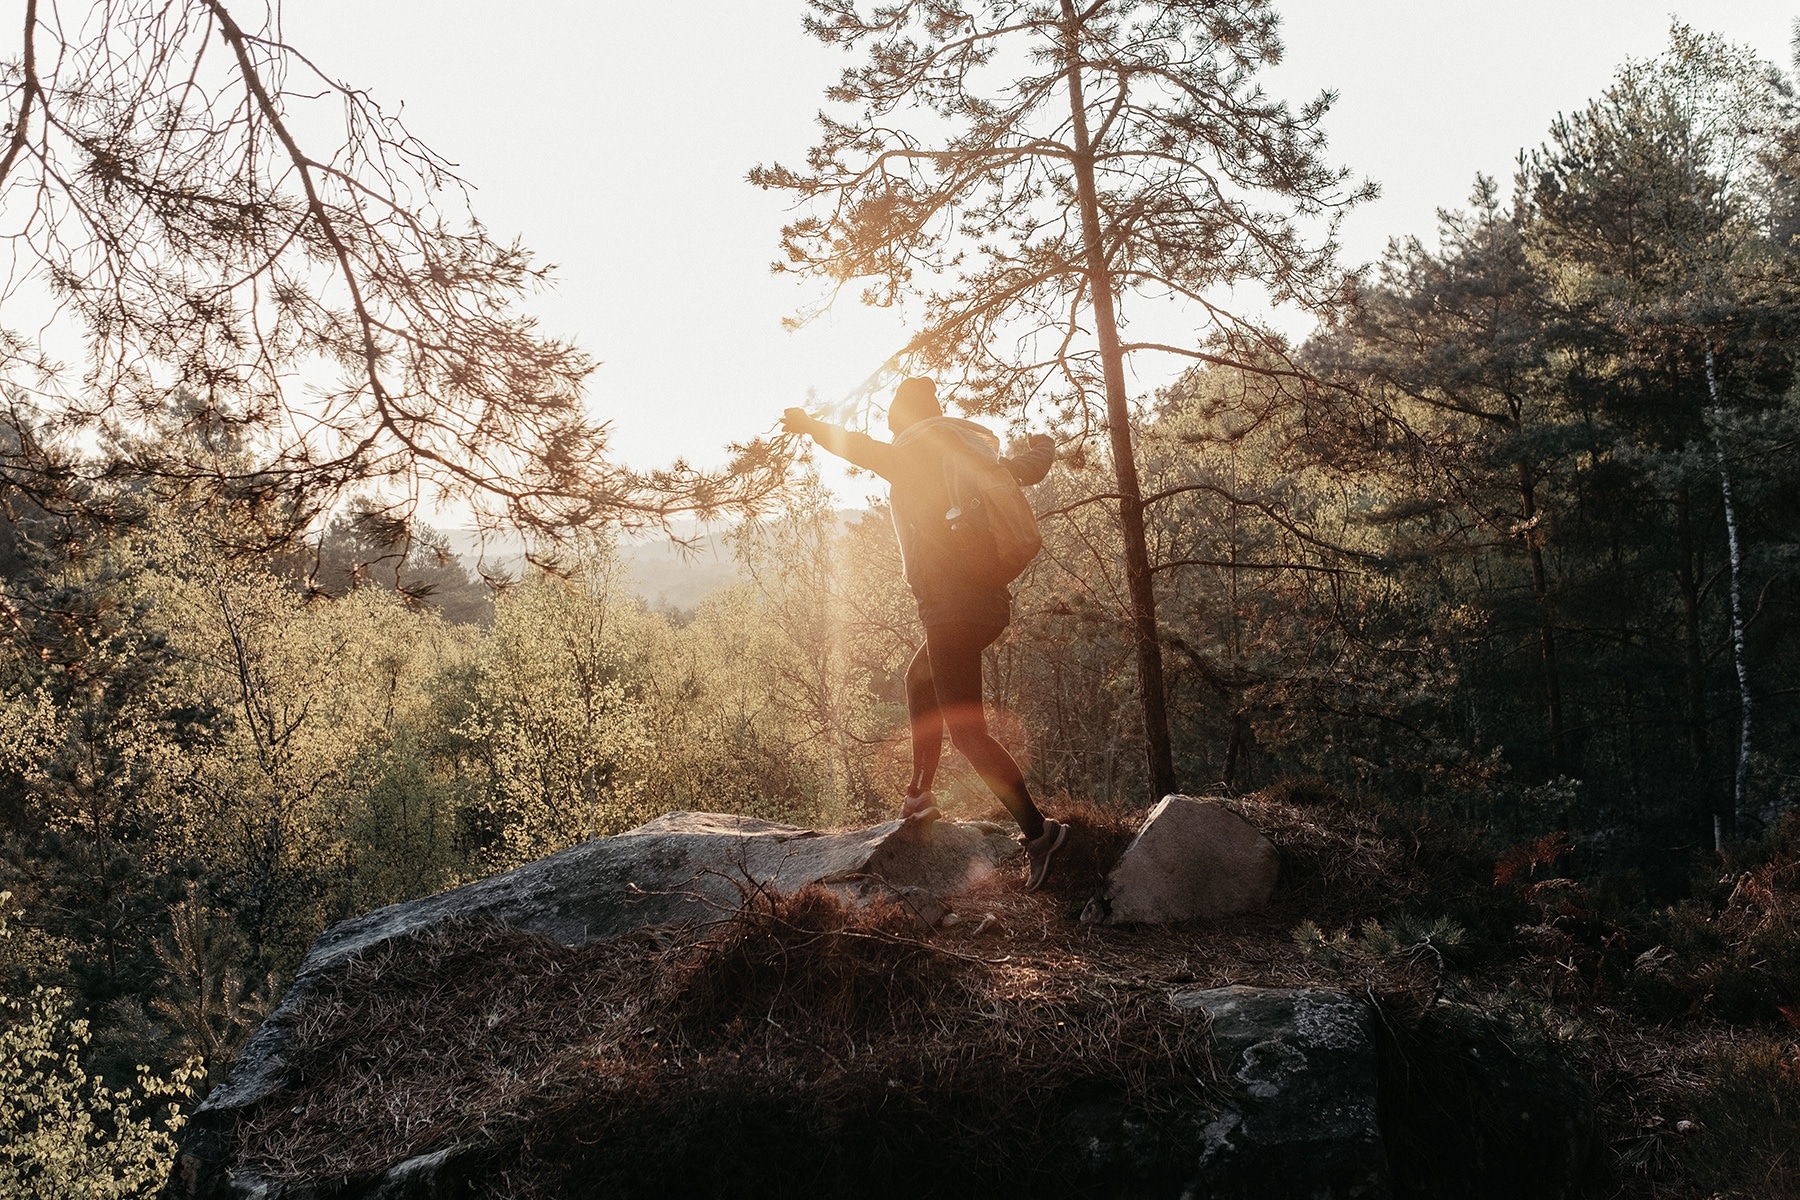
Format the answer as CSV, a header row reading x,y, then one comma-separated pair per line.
x,y
613,138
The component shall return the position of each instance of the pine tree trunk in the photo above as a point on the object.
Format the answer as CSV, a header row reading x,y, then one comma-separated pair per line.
x,y
1738,661
1540,591
1687,576
1118,419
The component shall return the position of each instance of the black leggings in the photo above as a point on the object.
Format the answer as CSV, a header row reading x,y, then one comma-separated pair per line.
x,y
943,687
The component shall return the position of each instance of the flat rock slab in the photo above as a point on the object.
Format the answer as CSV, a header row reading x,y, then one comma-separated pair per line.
x,y
1191,860
680,868
693,867
1302,1063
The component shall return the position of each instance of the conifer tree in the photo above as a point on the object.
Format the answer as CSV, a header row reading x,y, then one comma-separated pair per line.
x,y
1031,169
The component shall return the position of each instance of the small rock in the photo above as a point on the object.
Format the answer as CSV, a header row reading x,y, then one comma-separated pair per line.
x,y
949,920
1191,860
426,1177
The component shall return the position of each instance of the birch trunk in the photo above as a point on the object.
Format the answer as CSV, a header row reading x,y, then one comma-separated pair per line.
x,y
1738,660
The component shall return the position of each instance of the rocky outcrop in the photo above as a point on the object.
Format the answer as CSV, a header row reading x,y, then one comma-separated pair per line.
x,y
1192,860
1305,1121
1313,1098
676,870
688,867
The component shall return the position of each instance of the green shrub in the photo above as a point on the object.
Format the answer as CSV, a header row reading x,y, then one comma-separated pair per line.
x,y
63,1132
1734,951
1406,940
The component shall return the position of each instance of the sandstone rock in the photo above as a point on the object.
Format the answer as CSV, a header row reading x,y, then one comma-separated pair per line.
x,y
1298,1119
436,1176
1304,1122
1191,860
692,866
676,869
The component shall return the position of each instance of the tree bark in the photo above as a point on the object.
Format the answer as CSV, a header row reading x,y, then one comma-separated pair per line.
x,y
1540,590
1687,575
1739,662
1118,419
29,90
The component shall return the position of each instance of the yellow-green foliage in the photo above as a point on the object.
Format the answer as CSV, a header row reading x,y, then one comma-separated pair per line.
x,y
555,715
771,700
313,757
65,1133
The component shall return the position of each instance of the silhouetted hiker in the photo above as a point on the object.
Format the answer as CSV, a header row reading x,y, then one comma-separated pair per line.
x,y
960,582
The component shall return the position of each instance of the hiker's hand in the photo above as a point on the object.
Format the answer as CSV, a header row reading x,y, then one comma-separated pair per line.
x,y
795,420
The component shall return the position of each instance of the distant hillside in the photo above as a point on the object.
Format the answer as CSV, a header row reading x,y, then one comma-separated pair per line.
x,y
670,576
665,574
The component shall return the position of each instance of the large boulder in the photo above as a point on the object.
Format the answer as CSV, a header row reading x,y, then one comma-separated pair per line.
x,y
1294,1120
1298,1118
1191,860
690,866
677,869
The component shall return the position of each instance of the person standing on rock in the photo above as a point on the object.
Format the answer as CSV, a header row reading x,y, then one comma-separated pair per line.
x,y
962,536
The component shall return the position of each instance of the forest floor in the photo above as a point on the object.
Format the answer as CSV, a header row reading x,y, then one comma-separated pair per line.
x,y
661,1051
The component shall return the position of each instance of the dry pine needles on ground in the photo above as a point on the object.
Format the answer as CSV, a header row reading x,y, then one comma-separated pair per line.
x,y
748,1037
798,1035
627,1064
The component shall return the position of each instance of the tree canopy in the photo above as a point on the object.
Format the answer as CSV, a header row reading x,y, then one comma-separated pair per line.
x,y
208,212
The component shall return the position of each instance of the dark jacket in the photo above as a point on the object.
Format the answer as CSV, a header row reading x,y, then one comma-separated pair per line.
x,y
913,465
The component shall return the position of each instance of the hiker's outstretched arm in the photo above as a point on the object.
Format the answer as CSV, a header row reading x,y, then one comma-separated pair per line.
x,y
1031,465
858,449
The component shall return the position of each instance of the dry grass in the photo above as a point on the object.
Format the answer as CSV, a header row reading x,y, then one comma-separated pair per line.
x,y
1336,861
421,1042
807,959
1696,1108
1097,836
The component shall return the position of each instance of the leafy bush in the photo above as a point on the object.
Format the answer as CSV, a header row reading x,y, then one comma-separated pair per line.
x,y
65,1133
1734,950
1405,940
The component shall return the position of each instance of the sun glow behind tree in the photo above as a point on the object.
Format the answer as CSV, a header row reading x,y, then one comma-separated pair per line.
x,y
1032,171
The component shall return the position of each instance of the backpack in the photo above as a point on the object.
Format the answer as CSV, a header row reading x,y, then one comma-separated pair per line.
x,y
989,517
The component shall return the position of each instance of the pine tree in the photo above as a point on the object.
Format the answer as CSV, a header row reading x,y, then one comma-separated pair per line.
x,y
1031,168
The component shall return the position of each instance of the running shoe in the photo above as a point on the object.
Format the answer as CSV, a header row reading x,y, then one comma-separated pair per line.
x,y
921,809
1038,852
